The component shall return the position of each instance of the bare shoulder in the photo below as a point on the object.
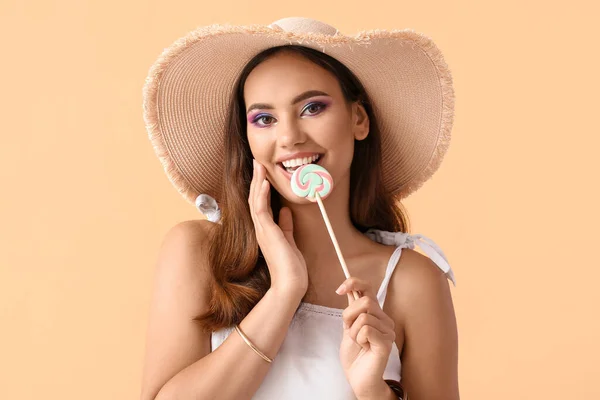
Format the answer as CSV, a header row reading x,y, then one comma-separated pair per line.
x,y
421,305
180,293
417,282
417,272
196,230
183,252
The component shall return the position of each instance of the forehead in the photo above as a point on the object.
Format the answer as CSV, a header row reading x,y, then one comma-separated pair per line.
x,y
283,76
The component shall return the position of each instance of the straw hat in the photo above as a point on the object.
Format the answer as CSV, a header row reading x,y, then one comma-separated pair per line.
x,y
188,88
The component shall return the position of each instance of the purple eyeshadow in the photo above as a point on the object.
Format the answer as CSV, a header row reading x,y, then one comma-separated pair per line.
x,y
323,103
252,116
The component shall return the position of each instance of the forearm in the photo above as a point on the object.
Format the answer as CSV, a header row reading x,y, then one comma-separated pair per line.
x,y
234,370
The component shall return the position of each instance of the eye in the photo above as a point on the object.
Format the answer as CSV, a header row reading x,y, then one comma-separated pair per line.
x,y
260,117
316,106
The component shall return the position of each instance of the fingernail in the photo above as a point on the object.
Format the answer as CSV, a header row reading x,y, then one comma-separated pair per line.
x,y
341,289
345,325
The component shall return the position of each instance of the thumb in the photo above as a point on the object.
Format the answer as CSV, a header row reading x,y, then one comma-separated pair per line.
x,y
286,224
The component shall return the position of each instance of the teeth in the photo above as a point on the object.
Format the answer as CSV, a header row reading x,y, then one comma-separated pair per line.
x,y
300,161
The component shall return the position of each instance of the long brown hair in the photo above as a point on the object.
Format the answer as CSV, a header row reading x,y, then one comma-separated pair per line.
x,y
240,274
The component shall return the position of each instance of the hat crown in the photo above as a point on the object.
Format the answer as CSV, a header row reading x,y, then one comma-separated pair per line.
x,y
304,25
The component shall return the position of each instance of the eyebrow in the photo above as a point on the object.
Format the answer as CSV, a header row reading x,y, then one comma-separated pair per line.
x,y
297,99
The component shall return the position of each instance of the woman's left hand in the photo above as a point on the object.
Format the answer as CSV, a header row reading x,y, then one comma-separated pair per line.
x,y
368,338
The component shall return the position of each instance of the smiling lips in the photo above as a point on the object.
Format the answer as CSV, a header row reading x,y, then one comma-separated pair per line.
x,y
288,174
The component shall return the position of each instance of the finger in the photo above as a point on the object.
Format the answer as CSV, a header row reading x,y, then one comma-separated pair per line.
x,y
251,195
286,224
251,191
369,335
258,179
368,306
258,188
361,286
269,198
258,211
350,298
264,216
370,320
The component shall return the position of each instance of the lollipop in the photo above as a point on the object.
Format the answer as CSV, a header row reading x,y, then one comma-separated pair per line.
x,y
314,183
310,180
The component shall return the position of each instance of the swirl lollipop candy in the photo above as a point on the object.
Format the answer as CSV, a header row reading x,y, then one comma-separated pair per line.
x,y
310,180
314,183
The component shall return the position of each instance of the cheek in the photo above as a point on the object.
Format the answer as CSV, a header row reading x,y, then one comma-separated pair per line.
x,y
336,129
337,138
258,147
340,145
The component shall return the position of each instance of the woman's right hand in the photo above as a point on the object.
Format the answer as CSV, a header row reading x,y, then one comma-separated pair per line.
x,y
286,264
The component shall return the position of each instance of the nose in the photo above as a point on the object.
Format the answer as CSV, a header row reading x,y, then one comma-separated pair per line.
x,y
289,134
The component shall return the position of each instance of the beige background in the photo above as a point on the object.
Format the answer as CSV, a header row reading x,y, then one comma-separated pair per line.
x,y
85,203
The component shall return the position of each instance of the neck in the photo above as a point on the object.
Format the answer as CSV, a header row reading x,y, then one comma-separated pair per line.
x,y
311,233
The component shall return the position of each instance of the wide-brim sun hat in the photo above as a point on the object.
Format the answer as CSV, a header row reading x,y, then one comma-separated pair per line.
x,y
187,94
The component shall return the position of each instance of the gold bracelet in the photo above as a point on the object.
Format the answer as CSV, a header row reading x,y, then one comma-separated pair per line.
x,y
253,347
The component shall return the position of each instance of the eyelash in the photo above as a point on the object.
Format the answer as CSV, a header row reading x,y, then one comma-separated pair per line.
x,y
322,106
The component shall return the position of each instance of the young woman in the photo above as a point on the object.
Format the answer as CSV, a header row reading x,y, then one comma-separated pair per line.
x,y
245,303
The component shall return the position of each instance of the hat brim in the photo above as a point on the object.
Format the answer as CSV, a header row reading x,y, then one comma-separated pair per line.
x,y
188,88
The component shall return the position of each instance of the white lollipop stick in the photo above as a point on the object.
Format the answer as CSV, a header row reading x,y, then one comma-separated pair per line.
x,y
311,181
334,240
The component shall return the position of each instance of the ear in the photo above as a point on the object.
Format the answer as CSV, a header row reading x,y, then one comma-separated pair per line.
x,y
360,121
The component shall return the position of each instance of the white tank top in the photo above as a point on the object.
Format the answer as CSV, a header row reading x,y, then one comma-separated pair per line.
x,y
308,363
